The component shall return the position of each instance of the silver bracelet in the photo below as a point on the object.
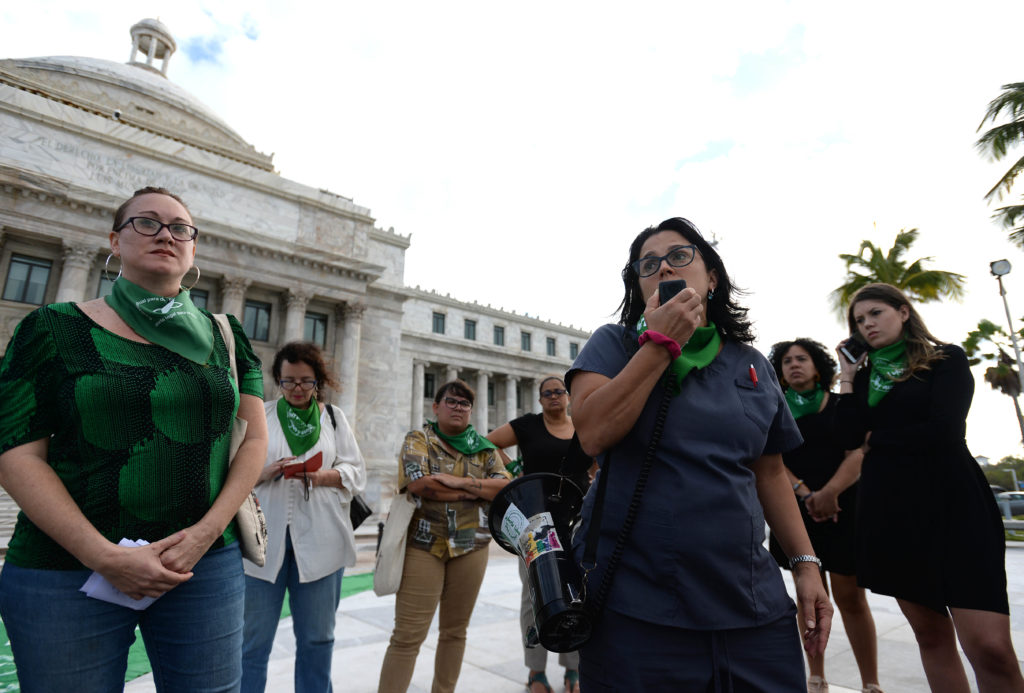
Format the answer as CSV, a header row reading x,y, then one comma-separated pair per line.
x,y
804,558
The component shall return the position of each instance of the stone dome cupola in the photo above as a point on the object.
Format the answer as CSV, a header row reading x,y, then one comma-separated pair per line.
x,y
151,38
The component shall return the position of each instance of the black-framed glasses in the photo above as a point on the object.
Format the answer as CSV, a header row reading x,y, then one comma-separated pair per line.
x,y
151,227
301,384
677,257
557,392
458,404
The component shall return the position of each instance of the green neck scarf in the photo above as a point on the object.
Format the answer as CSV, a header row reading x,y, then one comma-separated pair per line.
x,y
174,323
469,442
804,403
301,426
887,364
696,353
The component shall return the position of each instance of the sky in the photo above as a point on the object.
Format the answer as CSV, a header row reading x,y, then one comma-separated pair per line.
x,y
524,145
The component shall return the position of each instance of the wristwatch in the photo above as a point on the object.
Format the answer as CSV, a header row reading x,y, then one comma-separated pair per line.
x,y
804,558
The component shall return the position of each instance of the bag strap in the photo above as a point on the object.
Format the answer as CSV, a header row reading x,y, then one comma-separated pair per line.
x,y
594,531
330,413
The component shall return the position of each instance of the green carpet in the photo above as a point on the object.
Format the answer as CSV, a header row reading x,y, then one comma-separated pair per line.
x,y
138,662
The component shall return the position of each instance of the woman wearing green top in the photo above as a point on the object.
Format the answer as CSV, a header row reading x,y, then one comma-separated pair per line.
x,y
453,472
928,530
115,424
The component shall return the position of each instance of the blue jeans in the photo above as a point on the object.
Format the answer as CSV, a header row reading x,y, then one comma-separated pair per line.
x,y
312,604
65,641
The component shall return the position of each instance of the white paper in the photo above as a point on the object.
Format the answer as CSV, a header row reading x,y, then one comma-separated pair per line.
x,y
98,587
513,523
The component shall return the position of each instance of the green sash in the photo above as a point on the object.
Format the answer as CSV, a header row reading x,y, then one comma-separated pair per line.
x,y
804,403
887,363
172,322
696,353
301,426
469,442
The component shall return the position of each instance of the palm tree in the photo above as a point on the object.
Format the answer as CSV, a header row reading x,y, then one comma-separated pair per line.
x,y
996,143
871,264
988,342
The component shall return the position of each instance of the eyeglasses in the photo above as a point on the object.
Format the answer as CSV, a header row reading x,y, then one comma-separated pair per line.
x,y
557,392
677,257
151,227
301,384
458,404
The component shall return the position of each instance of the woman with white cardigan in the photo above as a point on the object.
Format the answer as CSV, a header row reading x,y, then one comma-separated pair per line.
x,y
310,537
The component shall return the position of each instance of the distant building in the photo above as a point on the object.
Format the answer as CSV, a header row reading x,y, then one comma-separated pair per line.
x,y
78,135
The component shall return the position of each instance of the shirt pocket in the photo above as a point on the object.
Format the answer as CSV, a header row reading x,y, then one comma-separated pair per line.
x,y
759,404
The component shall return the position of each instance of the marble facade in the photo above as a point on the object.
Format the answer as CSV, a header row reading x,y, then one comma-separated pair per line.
x,y
78,135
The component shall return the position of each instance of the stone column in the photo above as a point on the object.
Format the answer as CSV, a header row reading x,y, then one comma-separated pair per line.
x,y
510,408
451,374
480,408
417,393
232,299
532,399
74,276
294,317
350,316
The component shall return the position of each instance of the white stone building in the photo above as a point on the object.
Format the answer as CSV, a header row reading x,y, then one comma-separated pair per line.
x,y
78,135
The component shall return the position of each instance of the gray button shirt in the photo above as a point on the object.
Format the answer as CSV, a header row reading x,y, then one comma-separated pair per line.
x,y
695,558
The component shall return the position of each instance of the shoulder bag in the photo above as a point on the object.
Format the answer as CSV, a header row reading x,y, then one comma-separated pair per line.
x,y
252,525
358,510
387,575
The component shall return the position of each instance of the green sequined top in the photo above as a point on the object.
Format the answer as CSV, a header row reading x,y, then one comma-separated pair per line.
x,y
139,435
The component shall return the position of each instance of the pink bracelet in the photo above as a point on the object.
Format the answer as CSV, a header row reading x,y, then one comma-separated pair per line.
x,y
672,345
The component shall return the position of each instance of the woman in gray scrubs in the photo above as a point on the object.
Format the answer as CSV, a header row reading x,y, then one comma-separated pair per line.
x,y
694,601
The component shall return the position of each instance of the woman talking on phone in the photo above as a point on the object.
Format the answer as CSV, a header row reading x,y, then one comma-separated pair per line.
x,y
686,596
929,533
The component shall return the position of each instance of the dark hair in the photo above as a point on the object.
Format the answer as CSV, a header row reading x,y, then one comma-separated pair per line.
x,y
309,354
122,211
823,361
456,387
921,344
540,387
729,317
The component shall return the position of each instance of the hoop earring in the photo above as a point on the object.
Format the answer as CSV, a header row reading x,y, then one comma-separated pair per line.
x,y
106,273
197,277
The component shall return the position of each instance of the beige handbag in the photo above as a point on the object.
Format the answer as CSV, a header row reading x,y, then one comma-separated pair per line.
x,y
387,576
252,525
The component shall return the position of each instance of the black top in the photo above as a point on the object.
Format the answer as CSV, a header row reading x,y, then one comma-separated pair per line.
x,y
543,452
815,462
929,530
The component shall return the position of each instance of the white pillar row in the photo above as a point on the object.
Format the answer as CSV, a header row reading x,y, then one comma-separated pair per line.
x,y
416,420
348,367
232,299
533,396
295,315
74,276
481,403
510,408
450,374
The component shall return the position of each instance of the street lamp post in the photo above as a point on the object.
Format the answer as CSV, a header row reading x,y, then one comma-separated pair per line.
x,y
999,268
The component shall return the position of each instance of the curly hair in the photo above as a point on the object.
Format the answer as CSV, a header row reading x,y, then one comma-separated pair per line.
x,y
729,317
456,387
311,355
824,364
922,345
122,211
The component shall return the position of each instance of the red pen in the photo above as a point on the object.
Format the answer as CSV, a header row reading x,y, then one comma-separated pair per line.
x,y
753,375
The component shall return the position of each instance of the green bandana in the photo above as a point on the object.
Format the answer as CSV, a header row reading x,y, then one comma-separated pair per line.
x,y
696,353
301,426
804,403
469,442
173,323
887,363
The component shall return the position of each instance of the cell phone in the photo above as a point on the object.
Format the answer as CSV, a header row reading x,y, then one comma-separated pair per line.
x,y
853,348
667,290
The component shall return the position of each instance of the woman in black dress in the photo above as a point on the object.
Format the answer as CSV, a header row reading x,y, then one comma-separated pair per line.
x,y
929,532
824,479
543,441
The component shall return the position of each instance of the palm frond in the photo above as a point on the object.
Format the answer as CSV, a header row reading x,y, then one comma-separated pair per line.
x,y
1010,100
1004,184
